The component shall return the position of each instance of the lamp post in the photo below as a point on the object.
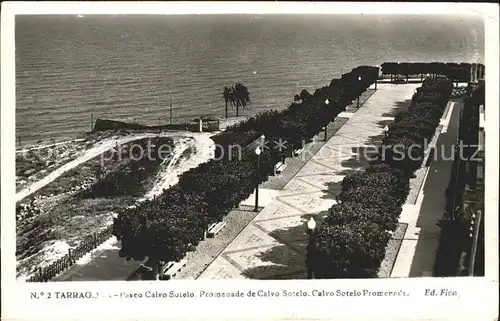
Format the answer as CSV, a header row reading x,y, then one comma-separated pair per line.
x,y
257,152
359,79
170,103
311,225
326,125
399,69
386,129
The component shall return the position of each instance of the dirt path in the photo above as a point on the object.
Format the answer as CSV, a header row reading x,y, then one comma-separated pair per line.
x,y
89,154
202,150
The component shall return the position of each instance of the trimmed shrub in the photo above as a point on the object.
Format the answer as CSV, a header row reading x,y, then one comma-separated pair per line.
x,y
397,187
385,215
353,250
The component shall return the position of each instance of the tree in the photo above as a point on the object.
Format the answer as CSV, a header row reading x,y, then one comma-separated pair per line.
x,y
404,69
303,96
240,96
390,68
227,94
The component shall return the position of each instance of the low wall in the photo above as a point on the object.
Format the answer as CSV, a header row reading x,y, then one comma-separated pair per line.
x,y
107,124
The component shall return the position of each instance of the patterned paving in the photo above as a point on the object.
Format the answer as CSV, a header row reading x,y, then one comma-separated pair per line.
x,y
273,245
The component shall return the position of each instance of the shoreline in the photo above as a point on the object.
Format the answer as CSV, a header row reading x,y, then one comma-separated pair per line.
x,y
85,136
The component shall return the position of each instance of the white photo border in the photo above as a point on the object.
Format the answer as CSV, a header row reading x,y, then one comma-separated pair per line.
x,y
478,299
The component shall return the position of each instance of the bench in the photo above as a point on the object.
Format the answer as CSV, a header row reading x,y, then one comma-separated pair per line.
x,y
215,228
278,164
169,270
279,167
297,152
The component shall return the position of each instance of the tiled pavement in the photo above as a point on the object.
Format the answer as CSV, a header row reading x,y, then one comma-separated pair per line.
x,y
273,245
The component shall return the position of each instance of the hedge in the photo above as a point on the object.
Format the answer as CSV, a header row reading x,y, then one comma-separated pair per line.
x,y
350,250
396,187
456,72
166,228
351,241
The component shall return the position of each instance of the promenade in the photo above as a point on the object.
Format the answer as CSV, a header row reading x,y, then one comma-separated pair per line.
x,y
273,245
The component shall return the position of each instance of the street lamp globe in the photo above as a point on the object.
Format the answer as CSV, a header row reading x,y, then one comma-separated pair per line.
x,y
386,128
258,151
327,101
359,78
311,224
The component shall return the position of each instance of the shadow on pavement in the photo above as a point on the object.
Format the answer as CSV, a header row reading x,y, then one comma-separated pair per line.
x,y
333,189
286,260
399,106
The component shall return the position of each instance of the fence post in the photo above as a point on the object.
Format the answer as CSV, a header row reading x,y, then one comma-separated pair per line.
x,y
70,256
40,273
95,240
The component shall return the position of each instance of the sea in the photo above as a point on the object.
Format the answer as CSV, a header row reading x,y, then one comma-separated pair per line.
x,y
73,69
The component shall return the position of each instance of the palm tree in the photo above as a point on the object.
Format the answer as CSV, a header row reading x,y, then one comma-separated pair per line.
x,y
240,96
227,94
